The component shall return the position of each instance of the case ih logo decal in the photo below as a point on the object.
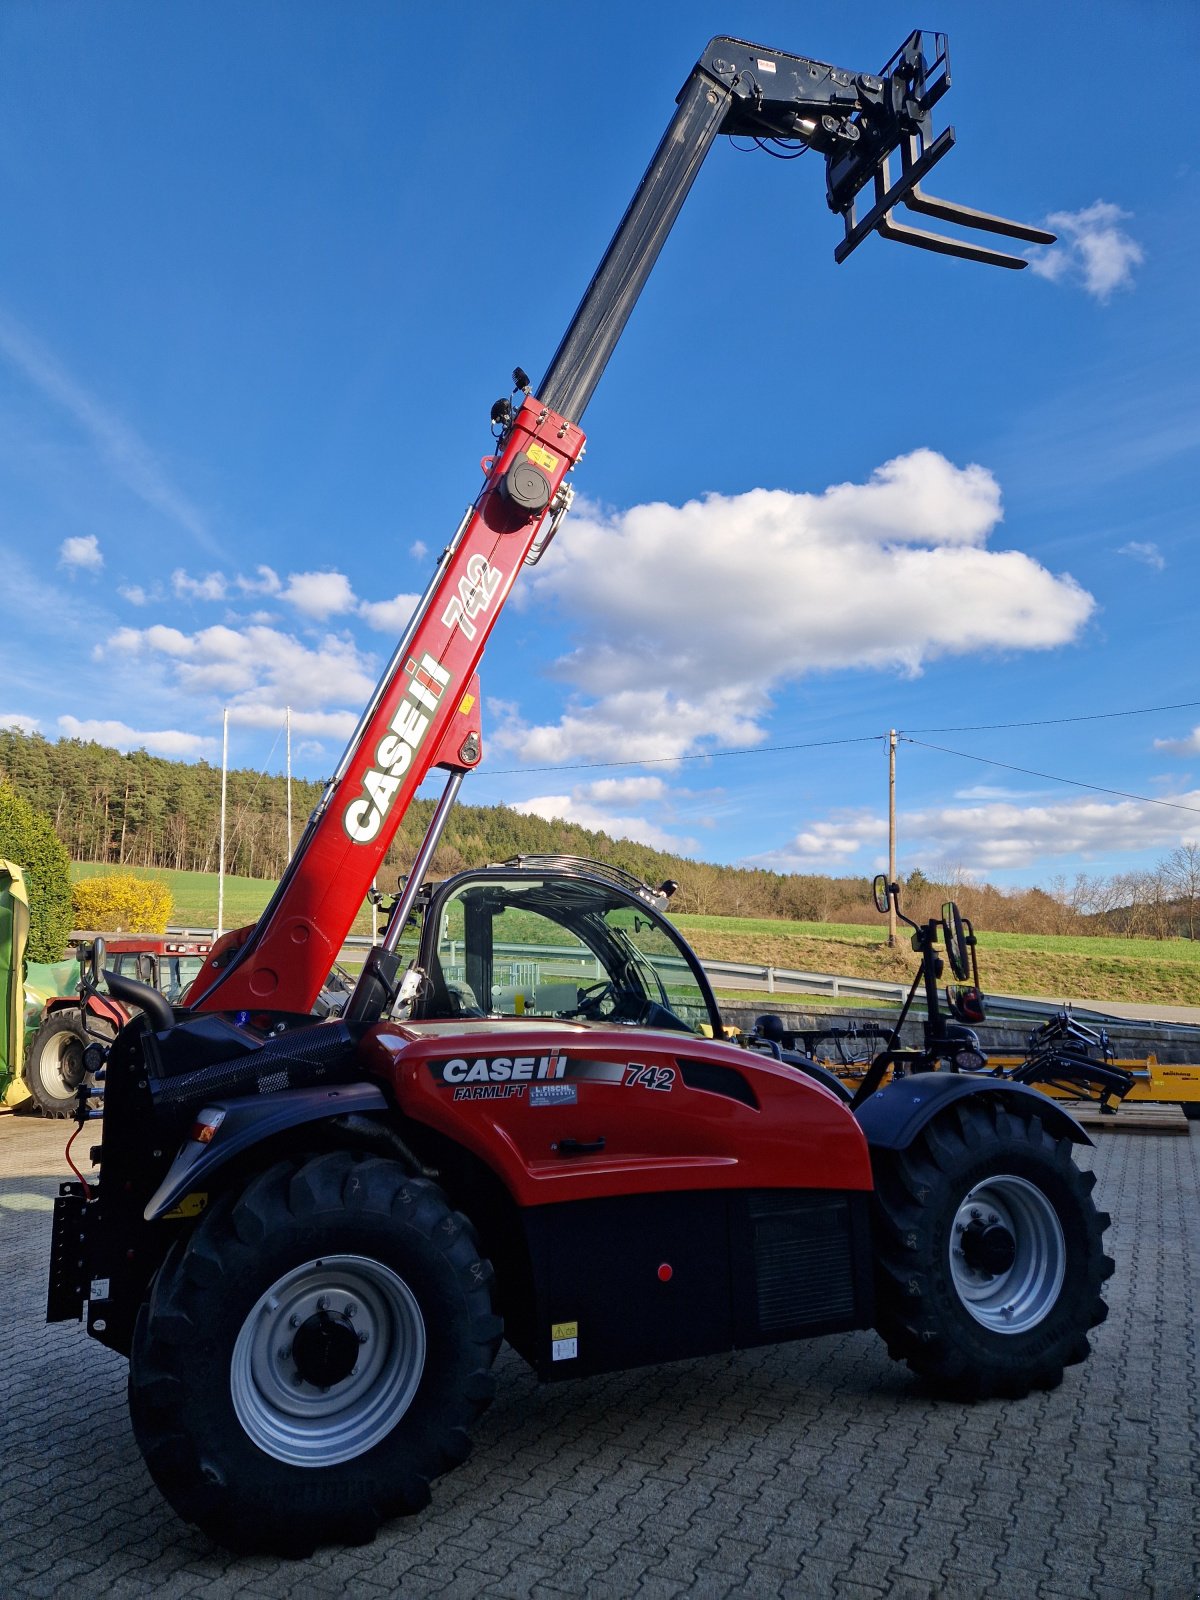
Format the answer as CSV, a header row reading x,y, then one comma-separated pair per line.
x,y
499,1069
427,678
505,1077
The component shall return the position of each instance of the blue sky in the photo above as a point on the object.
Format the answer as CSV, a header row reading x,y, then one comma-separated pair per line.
x,y
266,266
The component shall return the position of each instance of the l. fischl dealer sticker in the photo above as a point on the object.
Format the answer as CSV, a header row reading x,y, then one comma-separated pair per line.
x,y
553,1094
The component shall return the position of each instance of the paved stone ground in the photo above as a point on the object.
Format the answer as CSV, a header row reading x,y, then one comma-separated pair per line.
x,y
810,1469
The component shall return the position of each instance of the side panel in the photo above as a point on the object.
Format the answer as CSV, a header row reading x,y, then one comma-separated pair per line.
x,y
561,1112
644,1278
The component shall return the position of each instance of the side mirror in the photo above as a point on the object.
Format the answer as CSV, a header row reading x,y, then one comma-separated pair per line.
x,y
955,940
91,965
882,891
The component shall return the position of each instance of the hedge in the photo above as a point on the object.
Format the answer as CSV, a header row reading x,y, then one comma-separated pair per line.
x,y
28,838
117,902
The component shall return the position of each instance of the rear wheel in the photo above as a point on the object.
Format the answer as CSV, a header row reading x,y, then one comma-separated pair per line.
x,y
990,1257
55,1069
314,1355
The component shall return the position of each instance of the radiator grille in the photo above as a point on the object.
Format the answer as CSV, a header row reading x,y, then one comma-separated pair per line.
x,y
802,1261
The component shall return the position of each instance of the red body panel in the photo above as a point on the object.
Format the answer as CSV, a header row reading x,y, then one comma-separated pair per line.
x,y
659,1134
290,953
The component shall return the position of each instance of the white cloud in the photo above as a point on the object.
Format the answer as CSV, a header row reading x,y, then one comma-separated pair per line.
x,y
119,735
127,455
577,807
134,593
319,594
340,724
638,725
418,549
995,836
389,616
257,670
82,552
1000,835
265,581
1093,250
622,791
727,597
827,845
1189,745
17,719
1144,551
212,586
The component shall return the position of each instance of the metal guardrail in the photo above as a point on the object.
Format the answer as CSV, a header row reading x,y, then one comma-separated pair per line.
x,y
787,980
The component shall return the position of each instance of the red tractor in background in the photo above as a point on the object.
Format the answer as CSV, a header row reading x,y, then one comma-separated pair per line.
x,y
54,1067
309,1234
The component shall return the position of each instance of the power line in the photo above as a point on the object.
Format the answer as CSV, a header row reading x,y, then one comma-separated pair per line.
x,y
1050,722
874,738
699,755
1052,777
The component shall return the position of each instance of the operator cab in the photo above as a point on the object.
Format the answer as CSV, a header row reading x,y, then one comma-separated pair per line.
x,y
559,937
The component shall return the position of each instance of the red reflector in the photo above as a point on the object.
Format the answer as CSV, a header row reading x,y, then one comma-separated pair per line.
x,y
666,1272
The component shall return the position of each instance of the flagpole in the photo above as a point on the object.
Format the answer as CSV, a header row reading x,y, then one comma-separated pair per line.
x,y
289,779
221,853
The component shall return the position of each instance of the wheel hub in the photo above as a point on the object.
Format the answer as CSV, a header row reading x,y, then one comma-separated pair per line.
x,y
988,1247
328,1360
325,1349
1007,1254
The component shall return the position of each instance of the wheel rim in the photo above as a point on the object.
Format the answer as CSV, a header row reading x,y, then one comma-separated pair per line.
x,y
60,1065
1008,1256
328,1361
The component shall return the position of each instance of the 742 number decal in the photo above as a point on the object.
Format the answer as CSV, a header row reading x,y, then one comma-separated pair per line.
x,y
649,1077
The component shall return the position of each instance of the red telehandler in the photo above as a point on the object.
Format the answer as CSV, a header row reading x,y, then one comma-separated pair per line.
x,y
310,1236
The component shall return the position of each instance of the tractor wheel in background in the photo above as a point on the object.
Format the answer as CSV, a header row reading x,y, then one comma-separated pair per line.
x,y
313,1356
990,1256
55,1067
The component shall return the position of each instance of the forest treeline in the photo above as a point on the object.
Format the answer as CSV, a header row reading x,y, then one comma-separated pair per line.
x,y
138,810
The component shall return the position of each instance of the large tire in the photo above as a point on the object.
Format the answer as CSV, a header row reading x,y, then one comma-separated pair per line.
x,y
271,1296
55,1069
990,1254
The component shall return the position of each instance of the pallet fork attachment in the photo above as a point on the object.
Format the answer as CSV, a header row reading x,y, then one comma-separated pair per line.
x,y
901,121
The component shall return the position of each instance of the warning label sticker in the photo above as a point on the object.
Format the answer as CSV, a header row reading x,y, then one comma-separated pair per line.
x,y
564,1341
541,457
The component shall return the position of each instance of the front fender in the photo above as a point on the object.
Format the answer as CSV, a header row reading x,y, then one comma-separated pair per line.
x,y
248,1121
892,1118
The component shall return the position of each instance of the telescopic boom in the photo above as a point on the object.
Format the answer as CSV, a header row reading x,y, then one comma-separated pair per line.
x,y
425,711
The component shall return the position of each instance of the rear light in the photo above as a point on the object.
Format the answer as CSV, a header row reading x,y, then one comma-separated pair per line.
x,y
205,1126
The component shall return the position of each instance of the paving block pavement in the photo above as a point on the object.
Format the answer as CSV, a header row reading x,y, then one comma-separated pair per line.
x,y
810,1469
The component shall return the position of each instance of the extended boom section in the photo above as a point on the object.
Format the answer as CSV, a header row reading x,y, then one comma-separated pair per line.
x,y
425,712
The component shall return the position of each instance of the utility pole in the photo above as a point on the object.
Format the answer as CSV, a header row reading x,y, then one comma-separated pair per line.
x,y
891,835
221,850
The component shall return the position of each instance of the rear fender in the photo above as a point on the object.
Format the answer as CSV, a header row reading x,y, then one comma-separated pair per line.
x,y
892,1118
250,1121
98,1007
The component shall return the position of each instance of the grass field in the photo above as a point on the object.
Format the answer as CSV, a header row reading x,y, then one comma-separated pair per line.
x,y
1166,971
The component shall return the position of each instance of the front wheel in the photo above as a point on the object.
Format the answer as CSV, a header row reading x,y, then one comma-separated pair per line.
x,y
990,1257
55,1071
314,1355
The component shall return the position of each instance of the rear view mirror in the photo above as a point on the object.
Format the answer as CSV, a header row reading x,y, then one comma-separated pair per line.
x,y
91,965
955,940
881,889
